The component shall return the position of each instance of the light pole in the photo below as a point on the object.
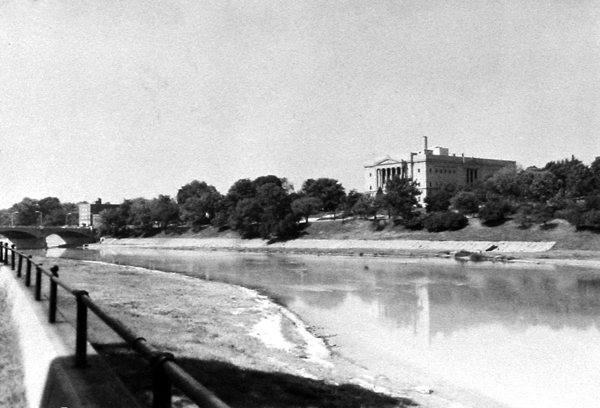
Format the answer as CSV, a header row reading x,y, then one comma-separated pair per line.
x,y
12,218
67,219
40,213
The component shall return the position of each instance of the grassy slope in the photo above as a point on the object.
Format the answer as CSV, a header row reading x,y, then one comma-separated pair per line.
x,y
565,235
12,389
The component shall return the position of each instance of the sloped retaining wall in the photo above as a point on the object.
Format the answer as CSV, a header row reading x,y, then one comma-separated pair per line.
x,y
331,244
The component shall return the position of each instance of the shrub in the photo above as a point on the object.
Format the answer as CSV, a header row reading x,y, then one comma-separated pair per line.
x,y
456,221
494,212
589,220
465,202
414,223
444,220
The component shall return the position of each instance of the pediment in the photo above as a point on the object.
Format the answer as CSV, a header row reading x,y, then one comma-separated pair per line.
x,y
386,161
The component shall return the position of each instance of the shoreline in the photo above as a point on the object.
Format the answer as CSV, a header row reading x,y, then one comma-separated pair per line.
x,y
228,331
459,250
440,398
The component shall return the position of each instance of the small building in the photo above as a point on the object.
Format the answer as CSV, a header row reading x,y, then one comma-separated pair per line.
x,y
89,214
431,169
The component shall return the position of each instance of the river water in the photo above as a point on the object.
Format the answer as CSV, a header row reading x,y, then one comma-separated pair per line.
x,y
513,335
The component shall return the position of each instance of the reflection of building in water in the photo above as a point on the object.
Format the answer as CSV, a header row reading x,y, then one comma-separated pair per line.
x,y
422,319
518,300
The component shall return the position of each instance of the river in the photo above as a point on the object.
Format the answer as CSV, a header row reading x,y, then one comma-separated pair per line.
x,y
485,334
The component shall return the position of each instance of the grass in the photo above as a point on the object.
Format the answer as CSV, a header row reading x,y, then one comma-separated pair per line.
x,y
12,389
560,231
208,325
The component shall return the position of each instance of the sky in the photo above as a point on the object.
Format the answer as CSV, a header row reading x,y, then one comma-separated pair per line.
x,y
121,99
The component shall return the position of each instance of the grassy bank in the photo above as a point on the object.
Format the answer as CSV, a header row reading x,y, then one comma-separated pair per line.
x,y
245,348
559,231
12,389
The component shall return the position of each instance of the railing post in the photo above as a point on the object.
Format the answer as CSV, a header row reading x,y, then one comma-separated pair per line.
x,y
12,257
38,282
1,252
81,340
53,293
5,249
28,272
161,383
20,267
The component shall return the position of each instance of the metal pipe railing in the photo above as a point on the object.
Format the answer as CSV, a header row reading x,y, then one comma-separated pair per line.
x,y
165,370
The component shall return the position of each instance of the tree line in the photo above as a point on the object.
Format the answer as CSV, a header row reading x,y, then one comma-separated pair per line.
x,y
268,206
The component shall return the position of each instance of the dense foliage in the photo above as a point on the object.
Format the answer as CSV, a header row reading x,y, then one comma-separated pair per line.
x,y
268,207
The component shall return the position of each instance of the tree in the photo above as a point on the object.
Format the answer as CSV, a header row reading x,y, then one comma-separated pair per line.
x,y
504,183
306,206
494,211
575,179
163,211
329,191
365,206
534,213
28,212
114,222
595,169
277,220
138,214
198,203
262,207
439,200
401,197
465,202
537,185
349,201
52,211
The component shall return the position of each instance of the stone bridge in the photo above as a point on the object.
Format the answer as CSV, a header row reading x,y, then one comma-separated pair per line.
x,y
35,237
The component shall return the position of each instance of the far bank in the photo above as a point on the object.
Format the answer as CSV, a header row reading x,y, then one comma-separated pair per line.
x,y
557,242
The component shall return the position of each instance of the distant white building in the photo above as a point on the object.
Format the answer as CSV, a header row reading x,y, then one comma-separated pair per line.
x,y
431,169
89,214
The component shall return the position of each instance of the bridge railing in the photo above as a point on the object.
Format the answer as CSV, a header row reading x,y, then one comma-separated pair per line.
x,y
165,370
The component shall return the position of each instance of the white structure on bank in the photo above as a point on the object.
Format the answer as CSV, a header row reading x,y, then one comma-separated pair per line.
x,y
431,169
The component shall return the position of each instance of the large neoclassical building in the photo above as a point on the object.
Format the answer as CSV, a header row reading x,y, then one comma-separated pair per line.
x,y
431,169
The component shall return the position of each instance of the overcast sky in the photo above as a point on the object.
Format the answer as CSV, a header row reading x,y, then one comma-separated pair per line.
x,y
122,99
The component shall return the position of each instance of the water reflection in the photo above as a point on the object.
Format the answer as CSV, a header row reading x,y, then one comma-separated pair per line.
x,y
500,331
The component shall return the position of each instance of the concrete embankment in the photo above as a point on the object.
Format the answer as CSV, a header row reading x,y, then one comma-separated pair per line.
x,y
322,245
47,353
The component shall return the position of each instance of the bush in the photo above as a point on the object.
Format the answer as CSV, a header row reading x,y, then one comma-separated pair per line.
x,y
465,202
444,220
494,212
414,223
589,220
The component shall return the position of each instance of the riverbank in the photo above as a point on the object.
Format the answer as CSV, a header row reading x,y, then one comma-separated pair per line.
x,y
556,242
515,251
248,350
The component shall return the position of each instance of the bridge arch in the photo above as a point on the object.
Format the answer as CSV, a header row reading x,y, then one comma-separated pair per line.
x,y
36,237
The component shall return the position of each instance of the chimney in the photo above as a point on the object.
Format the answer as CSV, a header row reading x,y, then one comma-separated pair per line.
x,y
424,142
